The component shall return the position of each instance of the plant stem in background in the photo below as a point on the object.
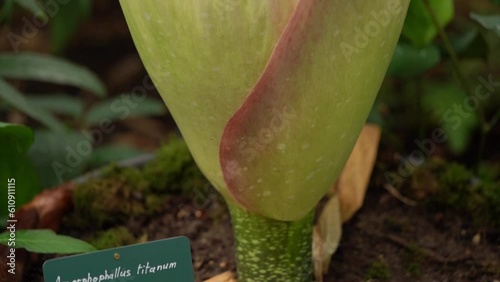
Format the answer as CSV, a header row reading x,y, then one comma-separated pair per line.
x,y
272,250
485,126
420,112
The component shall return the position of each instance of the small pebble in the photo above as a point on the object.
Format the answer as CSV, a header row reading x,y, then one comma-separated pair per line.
x,y
223,264
198,213
476,239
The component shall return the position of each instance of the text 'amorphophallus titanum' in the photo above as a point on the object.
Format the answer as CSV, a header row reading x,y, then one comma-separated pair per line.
x,y
270,96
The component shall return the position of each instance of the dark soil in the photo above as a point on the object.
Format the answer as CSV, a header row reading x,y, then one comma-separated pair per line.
x,y
385,241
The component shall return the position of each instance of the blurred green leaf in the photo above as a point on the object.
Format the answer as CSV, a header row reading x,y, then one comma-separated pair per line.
x,y
6,10
124,107
17,134
58,104
18,101
46,68
112,153
490,22
419,27
15,141
470,44
67,21
47,242
33,6
410,61
447,103
60,156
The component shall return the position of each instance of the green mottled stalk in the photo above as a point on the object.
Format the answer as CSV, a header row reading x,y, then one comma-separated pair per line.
x,y
272,250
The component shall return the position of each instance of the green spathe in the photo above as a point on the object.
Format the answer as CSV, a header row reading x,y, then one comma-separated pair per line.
x,y
265,93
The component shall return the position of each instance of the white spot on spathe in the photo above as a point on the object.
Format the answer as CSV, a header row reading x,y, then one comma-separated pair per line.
x,y
306,146
291,171
291,197
320,159
251,187
281,147
259,180
310,175
147,16
194,104
267,193
313,125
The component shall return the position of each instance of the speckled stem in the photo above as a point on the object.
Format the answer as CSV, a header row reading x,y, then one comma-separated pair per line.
x,y
269,250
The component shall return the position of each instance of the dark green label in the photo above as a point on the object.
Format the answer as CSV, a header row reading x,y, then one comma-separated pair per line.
x,y
164,260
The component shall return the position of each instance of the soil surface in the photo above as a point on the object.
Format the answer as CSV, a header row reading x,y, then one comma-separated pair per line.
x,y
386,241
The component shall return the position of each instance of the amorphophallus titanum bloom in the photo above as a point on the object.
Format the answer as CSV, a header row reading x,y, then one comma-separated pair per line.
x,y
270,96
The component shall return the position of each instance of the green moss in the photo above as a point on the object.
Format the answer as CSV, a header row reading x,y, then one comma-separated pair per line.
x,y
120,193
112,238
174,170
413,261
474,195
123,193
378,270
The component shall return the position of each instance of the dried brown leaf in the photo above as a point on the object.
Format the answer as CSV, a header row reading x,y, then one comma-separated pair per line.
x,y
227,276
354,179
326,236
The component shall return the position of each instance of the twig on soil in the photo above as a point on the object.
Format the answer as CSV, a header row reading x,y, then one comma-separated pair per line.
x,y
411,246
395,193
426,252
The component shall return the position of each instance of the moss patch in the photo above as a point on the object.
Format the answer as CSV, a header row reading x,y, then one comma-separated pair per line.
x,y
123,193
112,238
413,261
174,170
476,195
379,270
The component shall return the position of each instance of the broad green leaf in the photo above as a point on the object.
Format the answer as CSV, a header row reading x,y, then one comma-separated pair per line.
x,y
112,153
46,68
122,107
47,242
67,21
20,135
410,61
15,167
491,22
33,6
447,103
16,99
60,156
63,104
204,57
419,27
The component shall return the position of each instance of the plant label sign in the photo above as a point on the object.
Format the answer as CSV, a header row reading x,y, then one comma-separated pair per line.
x,y
166,260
